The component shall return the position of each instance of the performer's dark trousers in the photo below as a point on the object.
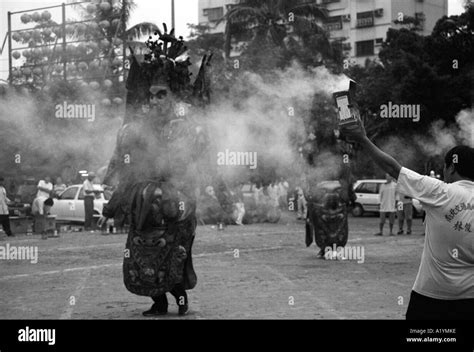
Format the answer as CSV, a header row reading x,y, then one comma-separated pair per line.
x,y
178,293
89,211
426,308
5,221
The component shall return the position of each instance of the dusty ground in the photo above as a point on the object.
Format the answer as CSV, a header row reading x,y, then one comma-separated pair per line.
x,y
274,276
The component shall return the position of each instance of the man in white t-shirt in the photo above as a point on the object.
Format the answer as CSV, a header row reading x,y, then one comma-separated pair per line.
x,y
45,187
404,212
4,212
387,204
302,204
89,196
444,286
283,193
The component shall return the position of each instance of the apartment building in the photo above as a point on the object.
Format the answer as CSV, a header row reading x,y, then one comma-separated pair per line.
x,y
359,25
211,11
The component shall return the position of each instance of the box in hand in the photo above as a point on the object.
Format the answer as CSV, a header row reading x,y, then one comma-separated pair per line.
x,y
347,109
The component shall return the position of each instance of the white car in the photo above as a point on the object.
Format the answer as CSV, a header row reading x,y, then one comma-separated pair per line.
x,y
69,206
367,192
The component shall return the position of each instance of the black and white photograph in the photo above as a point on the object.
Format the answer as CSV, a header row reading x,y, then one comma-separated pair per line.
x,y
300,160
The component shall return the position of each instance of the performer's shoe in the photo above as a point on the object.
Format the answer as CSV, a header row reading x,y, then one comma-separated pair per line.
x,y
401,232
378,234
154,311
183,310
408,232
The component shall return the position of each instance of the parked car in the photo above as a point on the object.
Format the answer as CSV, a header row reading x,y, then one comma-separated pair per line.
x,y
247,191
69,205
367,192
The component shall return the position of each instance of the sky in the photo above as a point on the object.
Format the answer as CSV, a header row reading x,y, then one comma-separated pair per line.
x,y
156,11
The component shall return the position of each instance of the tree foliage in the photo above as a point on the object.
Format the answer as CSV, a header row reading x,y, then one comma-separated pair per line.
x,y
280,31
435,72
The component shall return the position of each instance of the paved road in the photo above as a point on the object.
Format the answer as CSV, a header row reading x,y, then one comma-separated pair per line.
x,y
274,276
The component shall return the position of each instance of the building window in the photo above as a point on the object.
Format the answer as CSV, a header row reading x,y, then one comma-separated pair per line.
x,y
365,48
330,1
419,20
214,14
365,19
333,23
378,41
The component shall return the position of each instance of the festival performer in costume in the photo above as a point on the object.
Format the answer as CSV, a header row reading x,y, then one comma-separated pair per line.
x,y
328,209
157,158
329,201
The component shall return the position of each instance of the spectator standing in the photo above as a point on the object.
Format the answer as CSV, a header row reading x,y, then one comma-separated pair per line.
x,y
404,212
59,187
387,204
209,210
273,193
4,214
239,210
45,188
257,192
302,204
89,196
283,187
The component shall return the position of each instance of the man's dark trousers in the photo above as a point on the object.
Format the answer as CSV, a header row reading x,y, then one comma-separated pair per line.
x,y
89,212
5,221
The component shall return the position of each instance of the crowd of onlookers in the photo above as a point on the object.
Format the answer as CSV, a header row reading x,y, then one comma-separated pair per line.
x,y
248,203
41,198
222,203
41,204
394,204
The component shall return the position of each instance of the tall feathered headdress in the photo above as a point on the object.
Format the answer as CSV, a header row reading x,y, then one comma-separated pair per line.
x,y
166,67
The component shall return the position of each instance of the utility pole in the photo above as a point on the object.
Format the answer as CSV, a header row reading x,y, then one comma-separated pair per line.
x,y
10,64
173,20
63,26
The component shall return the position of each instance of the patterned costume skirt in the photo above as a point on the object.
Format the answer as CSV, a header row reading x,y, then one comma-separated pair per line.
x,y
156,258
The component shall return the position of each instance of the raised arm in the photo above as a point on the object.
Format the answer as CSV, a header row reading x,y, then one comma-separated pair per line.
x,y
387,163
382,159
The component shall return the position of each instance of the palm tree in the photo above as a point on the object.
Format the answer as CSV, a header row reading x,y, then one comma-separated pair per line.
x,y
268,20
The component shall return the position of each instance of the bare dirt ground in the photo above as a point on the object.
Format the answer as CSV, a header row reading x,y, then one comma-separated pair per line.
x,y
274,276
